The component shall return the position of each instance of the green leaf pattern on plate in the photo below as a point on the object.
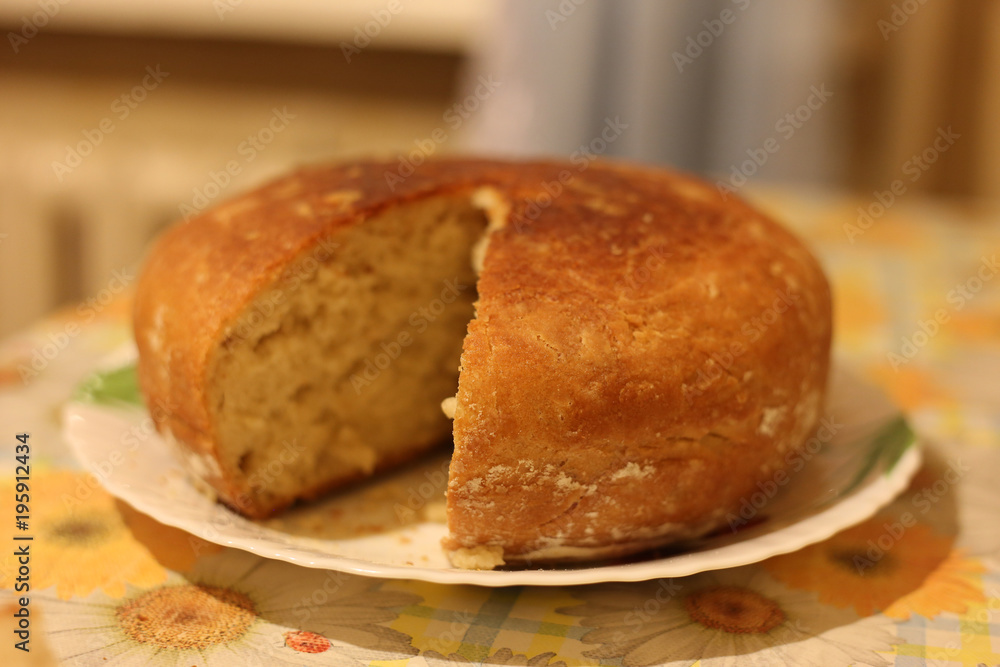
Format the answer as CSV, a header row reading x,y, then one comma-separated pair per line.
x,y
120,385
887,446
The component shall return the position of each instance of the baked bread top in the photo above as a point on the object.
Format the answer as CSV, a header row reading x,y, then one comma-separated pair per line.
x,y
644,353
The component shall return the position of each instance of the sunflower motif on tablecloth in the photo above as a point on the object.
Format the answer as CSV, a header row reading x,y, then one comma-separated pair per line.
x,y
84,540
235,608
503,656
730,617
882,565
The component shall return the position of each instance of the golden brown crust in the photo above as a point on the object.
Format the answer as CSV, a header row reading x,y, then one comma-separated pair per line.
x,y
602,395
644,353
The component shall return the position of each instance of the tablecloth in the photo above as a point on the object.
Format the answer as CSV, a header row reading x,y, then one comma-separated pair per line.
x,y
917,311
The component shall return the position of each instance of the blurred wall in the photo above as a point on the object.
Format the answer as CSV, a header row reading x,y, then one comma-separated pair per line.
x,y
707,86
920,70
698,85
120,117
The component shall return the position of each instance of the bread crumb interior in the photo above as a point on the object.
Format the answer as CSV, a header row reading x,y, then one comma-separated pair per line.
x,y
343,365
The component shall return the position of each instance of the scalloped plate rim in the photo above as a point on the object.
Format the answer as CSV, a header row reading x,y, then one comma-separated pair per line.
x,y
842,513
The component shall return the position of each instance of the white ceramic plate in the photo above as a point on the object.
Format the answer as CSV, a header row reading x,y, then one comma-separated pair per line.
x,y
392,527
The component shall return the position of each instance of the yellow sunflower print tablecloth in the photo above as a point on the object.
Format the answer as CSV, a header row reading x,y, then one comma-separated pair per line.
x,y
917,311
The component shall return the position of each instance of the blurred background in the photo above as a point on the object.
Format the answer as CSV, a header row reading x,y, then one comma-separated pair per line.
x,y
119,117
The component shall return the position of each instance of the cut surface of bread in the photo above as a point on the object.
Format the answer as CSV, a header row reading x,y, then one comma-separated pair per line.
x,y
636,353
342,367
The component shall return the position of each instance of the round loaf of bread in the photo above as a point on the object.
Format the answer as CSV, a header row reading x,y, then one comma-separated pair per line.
x,y
633,352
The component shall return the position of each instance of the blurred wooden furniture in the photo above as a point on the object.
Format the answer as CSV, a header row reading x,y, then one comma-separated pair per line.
x,y
916,67
64,233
